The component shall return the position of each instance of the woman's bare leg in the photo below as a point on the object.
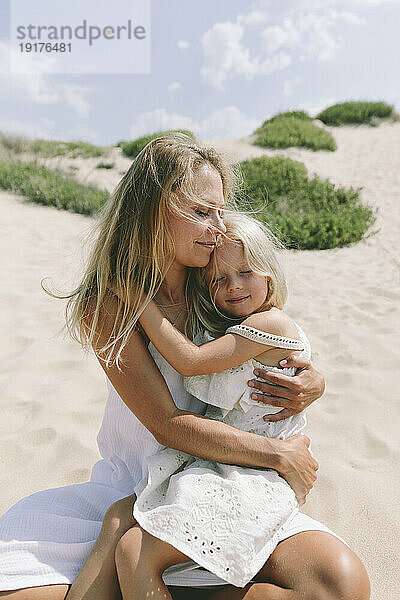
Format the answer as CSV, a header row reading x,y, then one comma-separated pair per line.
x,y
312,565
46,592
97,579
141,559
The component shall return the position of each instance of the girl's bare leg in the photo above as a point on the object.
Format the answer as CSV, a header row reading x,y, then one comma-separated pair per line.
x,y
141,559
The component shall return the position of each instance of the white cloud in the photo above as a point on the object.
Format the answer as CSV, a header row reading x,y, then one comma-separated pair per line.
x,y
159,120
225,53
255,17
42,129
350,18
228,122
182,45
373,2
276,37
173,87
74,96
310,35
39,87
295,6
290,84
296,35
29,86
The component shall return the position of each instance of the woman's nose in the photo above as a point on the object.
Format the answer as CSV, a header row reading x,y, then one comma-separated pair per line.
x,y
218,225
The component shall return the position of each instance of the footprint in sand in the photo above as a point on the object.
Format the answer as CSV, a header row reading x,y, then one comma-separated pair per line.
x,y
15,417
40,436
376,454
79,475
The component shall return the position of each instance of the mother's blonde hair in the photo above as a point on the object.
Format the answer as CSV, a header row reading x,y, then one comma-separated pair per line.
x,y
132,248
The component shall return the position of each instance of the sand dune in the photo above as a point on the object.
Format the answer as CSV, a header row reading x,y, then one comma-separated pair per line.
x,y
346,299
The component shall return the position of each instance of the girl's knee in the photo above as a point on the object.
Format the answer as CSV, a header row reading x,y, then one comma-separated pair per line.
x,y
154,555
130,547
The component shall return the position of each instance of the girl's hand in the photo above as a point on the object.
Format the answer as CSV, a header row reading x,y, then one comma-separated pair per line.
x,y
296,465
294,394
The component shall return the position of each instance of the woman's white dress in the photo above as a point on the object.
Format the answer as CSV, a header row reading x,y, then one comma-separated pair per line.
x,y
46,537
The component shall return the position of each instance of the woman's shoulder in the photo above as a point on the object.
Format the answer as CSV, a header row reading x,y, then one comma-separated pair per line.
x,y
109,321
274,321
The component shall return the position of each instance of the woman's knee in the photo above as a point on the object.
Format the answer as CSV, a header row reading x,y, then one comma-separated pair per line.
x,y
119,517
318,566
344,577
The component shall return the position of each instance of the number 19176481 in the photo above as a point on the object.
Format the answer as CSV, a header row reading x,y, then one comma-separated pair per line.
x,y
45,47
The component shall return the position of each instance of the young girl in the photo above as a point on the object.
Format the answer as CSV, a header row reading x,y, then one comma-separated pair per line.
x,y
226,518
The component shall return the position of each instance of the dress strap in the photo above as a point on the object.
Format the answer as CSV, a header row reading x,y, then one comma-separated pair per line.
x,y
256,335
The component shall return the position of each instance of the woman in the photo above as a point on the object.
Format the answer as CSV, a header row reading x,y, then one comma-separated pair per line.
x,y
163,218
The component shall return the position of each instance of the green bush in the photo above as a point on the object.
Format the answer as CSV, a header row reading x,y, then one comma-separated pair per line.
x,y
105,165
50,148
13,143
305,214
291,129
297,114
39,184
355,113
132,149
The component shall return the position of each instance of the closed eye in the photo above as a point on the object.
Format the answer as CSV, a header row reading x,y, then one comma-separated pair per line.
x,y
201,213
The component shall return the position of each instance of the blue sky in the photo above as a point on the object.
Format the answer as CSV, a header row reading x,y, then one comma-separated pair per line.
x,y
218,67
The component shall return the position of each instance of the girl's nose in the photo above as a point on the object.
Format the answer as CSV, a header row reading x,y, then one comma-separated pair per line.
x,y
234,284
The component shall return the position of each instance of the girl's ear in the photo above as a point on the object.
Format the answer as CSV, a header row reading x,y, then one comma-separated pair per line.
x,y
270,290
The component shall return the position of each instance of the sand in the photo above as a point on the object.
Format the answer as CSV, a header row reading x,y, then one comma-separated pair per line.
x,y
346,299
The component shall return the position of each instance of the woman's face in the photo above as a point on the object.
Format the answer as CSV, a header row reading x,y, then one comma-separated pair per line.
x,y
195,237
236,289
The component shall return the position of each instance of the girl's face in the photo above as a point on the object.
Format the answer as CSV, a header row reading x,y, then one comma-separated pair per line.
x,y
237,290
195,237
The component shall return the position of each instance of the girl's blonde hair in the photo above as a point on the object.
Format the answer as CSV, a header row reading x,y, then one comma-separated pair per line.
x,y
132,248
260,248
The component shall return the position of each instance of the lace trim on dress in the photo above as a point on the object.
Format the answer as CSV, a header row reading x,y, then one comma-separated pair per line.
x,y
256,335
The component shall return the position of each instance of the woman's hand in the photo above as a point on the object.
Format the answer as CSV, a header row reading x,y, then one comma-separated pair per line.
x,y
294,394
296,465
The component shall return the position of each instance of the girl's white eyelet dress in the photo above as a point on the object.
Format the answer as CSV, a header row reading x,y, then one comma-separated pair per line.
x,y
226,518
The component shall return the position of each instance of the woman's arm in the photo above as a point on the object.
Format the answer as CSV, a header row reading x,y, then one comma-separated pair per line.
x,y
293,394
223,353
144,391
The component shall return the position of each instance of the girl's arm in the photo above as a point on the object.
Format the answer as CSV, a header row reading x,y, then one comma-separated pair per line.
x,y
144,391
223,353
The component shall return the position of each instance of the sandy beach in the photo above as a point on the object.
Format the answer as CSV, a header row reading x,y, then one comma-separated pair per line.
x,y
347,300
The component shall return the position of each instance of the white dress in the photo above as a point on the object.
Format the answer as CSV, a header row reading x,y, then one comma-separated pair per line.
x,y
46,537
227,518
